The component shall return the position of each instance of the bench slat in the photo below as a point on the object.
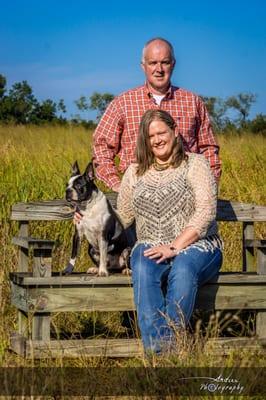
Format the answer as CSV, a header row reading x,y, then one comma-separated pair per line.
x,y
27,242
47,299
117,347
81,279
61,210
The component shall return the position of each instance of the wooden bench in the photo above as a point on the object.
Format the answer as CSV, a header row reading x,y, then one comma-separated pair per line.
x,y
41,292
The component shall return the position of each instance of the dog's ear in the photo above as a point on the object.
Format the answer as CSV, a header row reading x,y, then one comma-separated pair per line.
x,y
75,169
89,172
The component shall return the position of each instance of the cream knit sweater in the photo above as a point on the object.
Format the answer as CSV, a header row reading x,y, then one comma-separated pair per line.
x,y
164,203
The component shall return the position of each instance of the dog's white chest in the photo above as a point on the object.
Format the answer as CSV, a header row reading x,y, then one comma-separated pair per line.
x,y
93,222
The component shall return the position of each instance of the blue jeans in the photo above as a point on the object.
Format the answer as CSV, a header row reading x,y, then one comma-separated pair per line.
x,y
165,293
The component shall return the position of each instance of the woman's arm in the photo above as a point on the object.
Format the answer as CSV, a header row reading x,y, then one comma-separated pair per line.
x,y
204,187
124,199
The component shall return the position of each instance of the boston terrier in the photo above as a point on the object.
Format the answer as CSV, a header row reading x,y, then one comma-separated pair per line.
x,y
100,225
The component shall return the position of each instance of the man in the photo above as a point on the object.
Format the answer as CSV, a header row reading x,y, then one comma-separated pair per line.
x,y
116,134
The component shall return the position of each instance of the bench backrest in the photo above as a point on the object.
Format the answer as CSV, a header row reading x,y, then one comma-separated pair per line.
x,y
60,210
56,210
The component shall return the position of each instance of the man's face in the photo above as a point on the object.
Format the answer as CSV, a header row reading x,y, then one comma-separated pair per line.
x,y
158,66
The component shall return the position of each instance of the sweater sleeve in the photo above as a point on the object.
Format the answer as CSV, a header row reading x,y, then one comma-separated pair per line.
x,y
205,190
125,196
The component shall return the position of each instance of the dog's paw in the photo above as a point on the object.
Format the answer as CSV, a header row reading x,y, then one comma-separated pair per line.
x,y
93,270
68,270
126,271
103,273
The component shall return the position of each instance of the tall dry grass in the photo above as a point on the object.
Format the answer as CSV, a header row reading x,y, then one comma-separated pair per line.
x,y
35,165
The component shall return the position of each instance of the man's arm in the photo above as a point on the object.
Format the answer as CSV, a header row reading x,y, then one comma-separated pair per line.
x,y
106,142
207,143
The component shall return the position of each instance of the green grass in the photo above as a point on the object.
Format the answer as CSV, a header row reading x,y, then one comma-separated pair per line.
x,y
35,165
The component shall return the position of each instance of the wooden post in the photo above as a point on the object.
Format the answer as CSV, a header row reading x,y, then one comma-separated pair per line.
x,y
42,260
248,252
23,266
23,261
261,315
41,268
41,327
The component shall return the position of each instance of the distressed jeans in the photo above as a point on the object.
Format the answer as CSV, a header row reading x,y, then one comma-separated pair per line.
x,y
165,293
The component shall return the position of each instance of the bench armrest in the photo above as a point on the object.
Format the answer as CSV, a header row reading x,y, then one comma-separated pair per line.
x,y
29,242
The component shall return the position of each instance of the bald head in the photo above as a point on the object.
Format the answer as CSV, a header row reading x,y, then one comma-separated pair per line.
x,y
159,43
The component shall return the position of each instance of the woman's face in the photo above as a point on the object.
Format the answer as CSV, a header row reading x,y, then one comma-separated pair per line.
x,y
161,140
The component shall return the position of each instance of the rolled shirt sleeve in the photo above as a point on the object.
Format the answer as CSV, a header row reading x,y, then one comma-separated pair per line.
x,y
106,142
207,143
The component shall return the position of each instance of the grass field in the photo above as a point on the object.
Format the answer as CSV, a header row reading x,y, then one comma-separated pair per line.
x,y
35,165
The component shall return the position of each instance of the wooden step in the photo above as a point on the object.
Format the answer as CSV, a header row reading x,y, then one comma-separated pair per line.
x,y
76,348
118,347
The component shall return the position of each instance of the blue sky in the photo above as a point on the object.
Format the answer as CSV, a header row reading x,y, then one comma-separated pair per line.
x,y
67,48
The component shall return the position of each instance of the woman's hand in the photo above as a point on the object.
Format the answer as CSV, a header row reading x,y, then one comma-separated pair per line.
x,y
161,253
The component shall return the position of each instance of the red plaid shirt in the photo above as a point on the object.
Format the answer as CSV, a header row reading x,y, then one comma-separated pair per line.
x,y
116,133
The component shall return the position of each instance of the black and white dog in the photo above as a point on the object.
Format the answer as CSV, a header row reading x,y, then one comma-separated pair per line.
x,y
100,224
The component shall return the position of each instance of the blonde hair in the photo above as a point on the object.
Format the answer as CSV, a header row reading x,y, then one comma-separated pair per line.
x,y
144,154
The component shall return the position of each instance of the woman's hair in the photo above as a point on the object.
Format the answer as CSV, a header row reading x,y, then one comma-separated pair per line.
x,y
144,154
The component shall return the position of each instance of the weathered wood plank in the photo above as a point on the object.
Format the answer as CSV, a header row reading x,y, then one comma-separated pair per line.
x,y
261,315
261,324
248,252
236,211
81,279
51,210
41,327
23,255
19,299
261,261
83,348
56,299
23,324
224,346
42,267
81,299
18,344
75,279
27,242
231,297
42,263
61,210
118,347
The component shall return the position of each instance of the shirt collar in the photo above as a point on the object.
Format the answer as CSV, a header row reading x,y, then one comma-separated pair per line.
x,y
168,94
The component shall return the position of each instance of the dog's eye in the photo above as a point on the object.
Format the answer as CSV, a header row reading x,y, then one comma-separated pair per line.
x,y
79,187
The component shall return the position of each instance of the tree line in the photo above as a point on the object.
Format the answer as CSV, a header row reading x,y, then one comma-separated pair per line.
x,y
18,105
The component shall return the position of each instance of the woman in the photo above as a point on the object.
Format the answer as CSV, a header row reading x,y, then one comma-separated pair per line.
x,y
172,197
